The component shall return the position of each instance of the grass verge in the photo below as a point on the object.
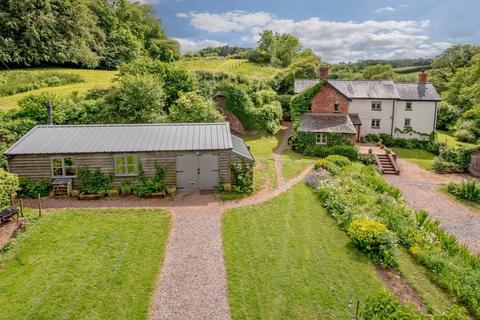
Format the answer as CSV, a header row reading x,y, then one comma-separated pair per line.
x,y
287,259
294,163
469,204
422,158
84,264
444,136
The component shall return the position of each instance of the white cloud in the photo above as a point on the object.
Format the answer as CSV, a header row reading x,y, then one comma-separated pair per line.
x,y
190,45
332,40
226,22
385,9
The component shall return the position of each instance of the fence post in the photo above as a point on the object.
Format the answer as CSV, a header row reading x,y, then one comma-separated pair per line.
x,y
358,307
21,207
39,206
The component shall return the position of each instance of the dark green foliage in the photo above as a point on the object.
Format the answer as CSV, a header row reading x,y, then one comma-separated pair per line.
x,y
284,100
375,240
242,175
193,108
94,182
276,49
350,152
468,190
305,67
447,116
137,99
432,144
386,306
302,102
453,159
367,159
175,79
126,188
13,82
151,184
31,189
83,32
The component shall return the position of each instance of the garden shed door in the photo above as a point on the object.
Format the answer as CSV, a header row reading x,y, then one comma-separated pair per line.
x,y
187,171
208,171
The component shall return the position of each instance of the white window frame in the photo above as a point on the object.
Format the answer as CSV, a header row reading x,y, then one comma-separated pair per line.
x,y
336,108
373,126
63,167
321,138
407,108
376,105
409,120
124,158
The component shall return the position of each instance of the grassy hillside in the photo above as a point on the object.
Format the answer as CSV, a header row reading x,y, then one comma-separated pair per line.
x,y
233,66
91,79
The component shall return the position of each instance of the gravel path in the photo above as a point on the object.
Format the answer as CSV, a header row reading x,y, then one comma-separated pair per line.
x,y
420,188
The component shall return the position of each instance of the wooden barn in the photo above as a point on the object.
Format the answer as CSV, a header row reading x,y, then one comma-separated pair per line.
x,y
195,156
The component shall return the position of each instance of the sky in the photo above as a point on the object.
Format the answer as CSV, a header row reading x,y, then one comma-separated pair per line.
x,y
336,30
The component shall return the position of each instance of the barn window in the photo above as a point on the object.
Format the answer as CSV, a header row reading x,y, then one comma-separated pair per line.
x,y
126,165
336,108
376,105
321,138
64,167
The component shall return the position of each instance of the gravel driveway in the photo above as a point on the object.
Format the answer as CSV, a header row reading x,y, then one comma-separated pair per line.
x,y
420,188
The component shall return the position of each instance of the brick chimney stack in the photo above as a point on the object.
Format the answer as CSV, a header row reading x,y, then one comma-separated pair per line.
x,y
324,72
422,77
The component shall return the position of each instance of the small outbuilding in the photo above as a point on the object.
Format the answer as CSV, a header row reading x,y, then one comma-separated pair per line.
x,y
195,155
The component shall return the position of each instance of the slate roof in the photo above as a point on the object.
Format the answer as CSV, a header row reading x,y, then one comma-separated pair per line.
x,y
370,89
355,118
58,139
376,89
240,148
300,85
321,122
417,91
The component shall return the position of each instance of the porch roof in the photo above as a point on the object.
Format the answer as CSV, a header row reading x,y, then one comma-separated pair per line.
x,y
327,123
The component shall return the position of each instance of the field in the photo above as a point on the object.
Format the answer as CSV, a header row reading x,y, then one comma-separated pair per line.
x,y
84,264
231,66
92,79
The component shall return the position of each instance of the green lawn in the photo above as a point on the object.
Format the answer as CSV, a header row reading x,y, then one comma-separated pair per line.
x,y
434,298
84,264
470,204
294,163
444,136
232,66
421,157
263,148
93,79
287,259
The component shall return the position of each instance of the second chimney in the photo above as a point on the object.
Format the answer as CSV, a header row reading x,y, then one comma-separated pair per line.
x,y
422,77
324,72
49,112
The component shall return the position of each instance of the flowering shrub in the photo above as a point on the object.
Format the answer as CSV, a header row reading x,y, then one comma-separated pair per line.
x,y
375,240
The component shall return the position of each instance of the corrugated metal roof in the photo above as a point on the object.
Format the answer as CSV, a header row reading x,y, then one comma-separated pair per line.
x,y
240,148
123,138
300,85
417,91
322,122
374,89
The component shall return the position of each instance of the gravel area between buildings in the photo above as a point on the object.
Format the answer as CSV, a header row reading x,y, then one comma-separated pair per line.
x,y
420,189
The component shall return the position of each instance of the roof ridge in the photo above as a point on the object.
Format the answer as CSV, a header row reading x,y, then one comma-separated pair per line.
x,y
130,125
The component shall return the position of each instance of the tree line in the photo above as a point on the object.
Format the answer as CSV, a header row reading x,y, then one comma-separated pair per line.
x,y
86,33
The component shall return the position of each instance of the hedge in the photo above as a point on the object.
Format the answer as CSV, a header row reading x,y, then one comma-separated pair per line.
x,y
8,187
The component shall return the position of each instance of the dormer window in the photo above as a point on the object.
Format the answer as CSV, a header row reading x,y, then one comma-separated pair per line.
x,y
408,106
376,105
336,108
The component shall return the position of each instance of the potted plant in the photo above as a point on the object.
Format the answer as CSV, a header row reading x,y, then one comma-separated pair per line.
x,y
370,151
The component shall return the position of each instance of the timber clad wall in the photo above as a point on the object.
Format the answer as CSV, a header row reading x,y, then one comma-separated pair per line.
x,y
325,100
37,167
